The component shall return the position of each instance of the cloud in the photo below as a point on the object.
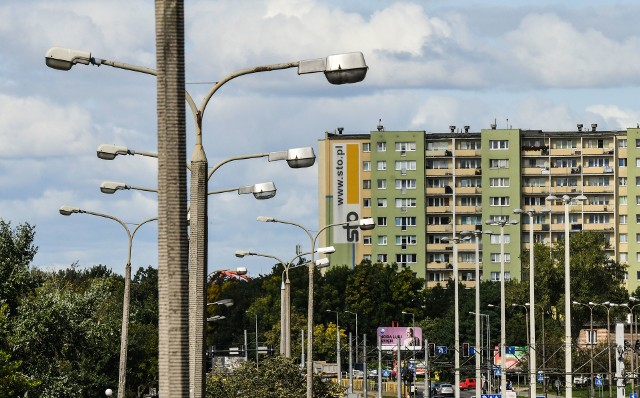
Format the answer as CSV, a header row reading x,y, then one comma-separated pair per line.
x,y
616,116
35,126
557,54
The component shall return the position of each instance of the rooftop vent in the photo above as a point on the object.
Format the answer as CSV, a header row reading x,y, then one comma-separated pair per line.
x,y
466,129
380,127
579,126
452,129
493,126
340,130
593,126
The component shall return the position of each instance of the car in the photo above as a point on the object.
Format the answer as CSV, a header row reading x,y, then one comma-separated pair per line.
x,y
358,374
468,384
580,380
445,390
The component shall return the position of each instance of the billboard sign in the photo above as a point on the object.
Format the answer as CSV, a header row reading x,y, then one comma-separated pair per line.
x,y
410,338
346,190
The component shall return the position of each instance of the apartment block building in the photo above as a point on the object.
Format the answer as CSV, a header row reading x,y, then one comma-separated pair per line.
x,y
424,189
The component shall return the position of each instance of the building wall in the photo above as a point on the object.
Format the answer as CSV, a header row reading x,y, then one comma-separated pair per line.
x,y
462,179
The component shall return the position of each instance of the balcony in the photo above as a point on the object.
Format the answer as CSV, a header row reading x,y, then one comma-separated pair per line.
x,y
467,172
469,209
535,171
468,190
598,189
438,209
598,227
468,153
439,228
434,191
438,153
532,190
437,172
565,152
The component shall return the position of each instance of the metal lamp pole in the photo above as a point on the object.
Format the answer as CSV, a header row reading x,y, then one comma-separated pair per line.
x,y
356,314
590,305
503,339
124,334
364,224
338,346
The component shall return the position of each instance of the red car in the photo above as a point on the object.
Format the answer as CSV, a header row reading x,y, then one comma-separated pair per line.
x,y
468,384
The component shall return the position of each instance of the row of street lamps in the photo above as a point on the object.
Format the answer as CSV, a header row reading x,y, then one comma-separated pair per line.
x,y
338,69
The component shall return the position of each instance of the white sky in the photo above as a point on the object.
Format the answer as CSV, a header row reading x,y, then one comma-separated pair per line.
x,y
539,64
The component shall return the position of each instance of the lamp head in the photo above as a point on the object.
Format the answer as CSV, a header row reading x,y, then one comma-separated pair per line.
x,y
518,211
265,190
326,250
110,187
64,58
514,222
551,198
241,271
581,198
345,68
110,151
266,219
322,263
298,158
242,253
67,210
367,224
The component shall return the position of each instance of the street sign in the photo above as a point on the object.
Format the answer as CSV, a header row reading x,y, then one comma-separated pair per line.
x,y
510,350
599,383
540,377
441,349
472,350
497,372
633,395
263,349
491,395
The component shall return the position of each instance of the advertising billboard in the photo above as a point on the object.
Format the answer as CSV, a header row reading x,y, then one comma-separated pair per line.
x,y
346,190
410,338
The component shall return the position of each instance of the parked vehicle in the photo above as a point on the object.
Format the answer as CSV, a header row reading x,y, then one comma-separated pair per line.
x,y
468,384
581,380
445,390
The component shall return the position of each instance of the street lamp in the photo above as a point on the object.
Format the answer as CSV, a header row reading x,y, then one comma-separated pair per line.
x,y
566,200
456,316
486,348
364,224
265,190
285,292
124,335
608,305
477,314
631,321
338,69
503,340
591,342
530,348
532,322
338,345
356,314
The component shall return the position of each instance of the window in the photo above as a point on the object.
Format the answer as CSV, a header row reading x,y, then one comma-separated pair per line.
x,y
469,164
382,184
366,166
565,144
366,147
624,238
471,220
622,181
406,239
467,257
438,258
567,182
406,258
600,181
623,200
382,202
600,219
382,258
499,201
381,146
499,182
366,257
437,182
436,276
436,164
405,165
499,163
381,164
437,145
366,240
637,143
471,201
495,258
638,200
637,218
498,144
366,202
495,276
598,162
437,201
405,202
405,146
495,239
591,336
624,257
637,162
622,162
438,220
406,184
470,145
381,222
366,184
405,221
563,163
623,219
470,182
498,218
622,143
534,182
382,240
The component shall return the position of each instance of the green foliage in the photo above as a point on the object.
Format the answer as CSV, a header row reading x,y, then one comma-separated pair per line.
x,y
14,383
16,252
276,377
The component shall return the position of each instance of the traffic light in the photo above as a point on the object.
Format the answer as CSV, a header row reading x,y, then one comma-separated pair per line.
x,y
465,349
432,349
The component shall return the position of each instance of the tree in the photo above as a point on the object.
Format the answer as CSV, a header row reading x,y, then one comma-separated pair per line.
x,y
16,253
278,377
13,382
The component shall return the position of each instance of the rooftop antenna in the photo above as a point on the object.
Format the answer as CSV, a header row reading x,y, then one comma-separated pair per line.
x,y
380,126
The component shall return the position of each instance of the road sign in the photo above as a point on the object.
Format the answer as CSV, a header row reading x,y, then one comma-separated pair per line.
x,y
472,350
441,349
599,382
511,350
491,395
633,395
540,377
497,372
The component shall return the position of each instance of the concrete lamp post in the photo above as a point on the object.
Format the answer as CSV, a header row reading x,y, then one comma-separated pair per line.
x,y
364,224
338,69
124,335
285,292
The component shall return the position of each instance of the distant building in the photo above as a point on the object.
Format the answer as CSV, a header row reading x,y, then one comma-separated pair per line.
x,y
422,187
